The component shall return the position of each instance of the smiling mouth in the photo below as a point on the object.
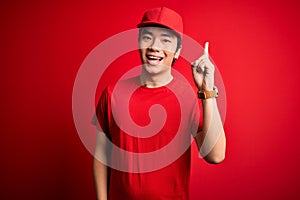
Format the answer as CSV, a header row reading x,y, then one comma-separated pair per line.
x,y
154,58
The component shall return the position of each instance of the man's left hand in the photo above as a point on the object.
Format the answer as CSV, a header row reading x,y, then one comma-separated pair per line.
x,y
203,71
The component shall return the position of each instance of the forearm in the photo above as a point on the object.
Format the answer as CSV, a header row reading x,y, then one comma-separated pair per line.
x,y
211,141
100,178
100,169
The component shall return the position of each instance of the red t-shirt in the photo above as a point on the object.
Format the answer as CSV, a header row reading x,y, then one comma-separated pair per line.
x,y
181,115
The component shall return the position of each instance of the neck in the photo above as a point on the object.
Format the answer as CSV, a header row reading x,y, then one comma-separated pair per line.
x,y
157,80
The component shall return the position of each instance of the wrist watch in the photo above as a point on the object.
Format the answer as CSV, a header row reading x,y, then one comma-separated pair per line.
x,y
202,94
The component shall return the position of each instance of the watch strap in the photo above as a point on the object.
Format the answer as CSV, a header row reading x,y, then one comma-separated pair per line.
x,y
202,94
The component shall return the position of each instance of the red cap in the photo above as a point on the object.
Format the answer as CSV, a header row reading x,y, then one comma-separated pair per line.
x,y
164,17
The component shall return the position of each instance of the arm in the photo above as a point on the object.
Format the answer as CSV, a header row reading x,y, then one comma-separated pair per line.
x,y
211,140
100,169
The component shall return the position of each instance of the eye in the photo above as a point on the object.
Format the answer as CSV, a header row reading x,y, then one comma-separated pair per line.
x,y
146,38
166,41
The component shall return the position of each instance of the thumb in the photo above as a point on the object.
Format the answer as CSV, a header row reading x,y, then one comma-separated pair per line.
x,y
206,48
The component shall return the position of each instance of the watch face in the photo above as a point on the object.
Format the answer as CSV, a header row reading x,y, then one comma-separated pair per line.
x,y
201,95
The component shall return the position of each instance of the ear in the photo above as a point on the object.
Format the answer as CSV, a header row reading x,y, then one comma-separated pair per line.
x,y
177,53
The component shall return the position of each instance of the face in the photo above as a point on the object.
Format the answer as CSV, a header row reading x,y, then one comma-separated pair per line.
x,y
158,48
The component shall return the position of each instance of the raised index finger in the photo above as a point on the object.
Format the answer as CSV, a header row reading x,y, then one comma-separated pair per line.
x,y
206,48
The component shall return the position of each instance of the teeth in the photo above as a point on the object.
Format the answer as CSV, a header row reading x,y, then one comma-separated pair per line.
x,y
153,57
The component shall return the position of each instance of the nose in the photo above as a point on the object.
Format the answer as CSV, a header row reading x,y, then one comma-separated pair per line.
x,y
156,45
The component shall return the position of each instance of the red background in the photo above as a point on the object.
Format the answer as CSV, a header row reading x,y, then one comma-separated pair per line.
x,y
255,45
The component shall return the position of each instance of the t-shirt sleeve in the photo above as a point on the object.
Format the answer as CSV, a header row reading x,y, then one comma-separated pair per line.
x,y
100,118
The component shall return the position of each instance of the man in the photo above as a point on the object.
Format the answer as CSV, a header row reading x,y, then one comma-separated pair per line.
x,y
159,45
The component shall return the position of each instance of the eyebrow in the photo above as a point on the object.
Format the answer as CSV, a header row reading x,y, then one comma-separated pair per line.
x,y
166,35
163,34
146,32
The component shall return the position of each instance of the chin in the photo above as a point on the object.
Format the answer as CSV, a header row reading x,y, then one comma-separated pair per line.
x,y
152,69
155,69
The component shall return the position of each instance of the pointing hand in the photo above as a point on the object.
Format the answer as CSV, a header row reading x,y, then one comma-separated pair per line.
x,y
203,71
